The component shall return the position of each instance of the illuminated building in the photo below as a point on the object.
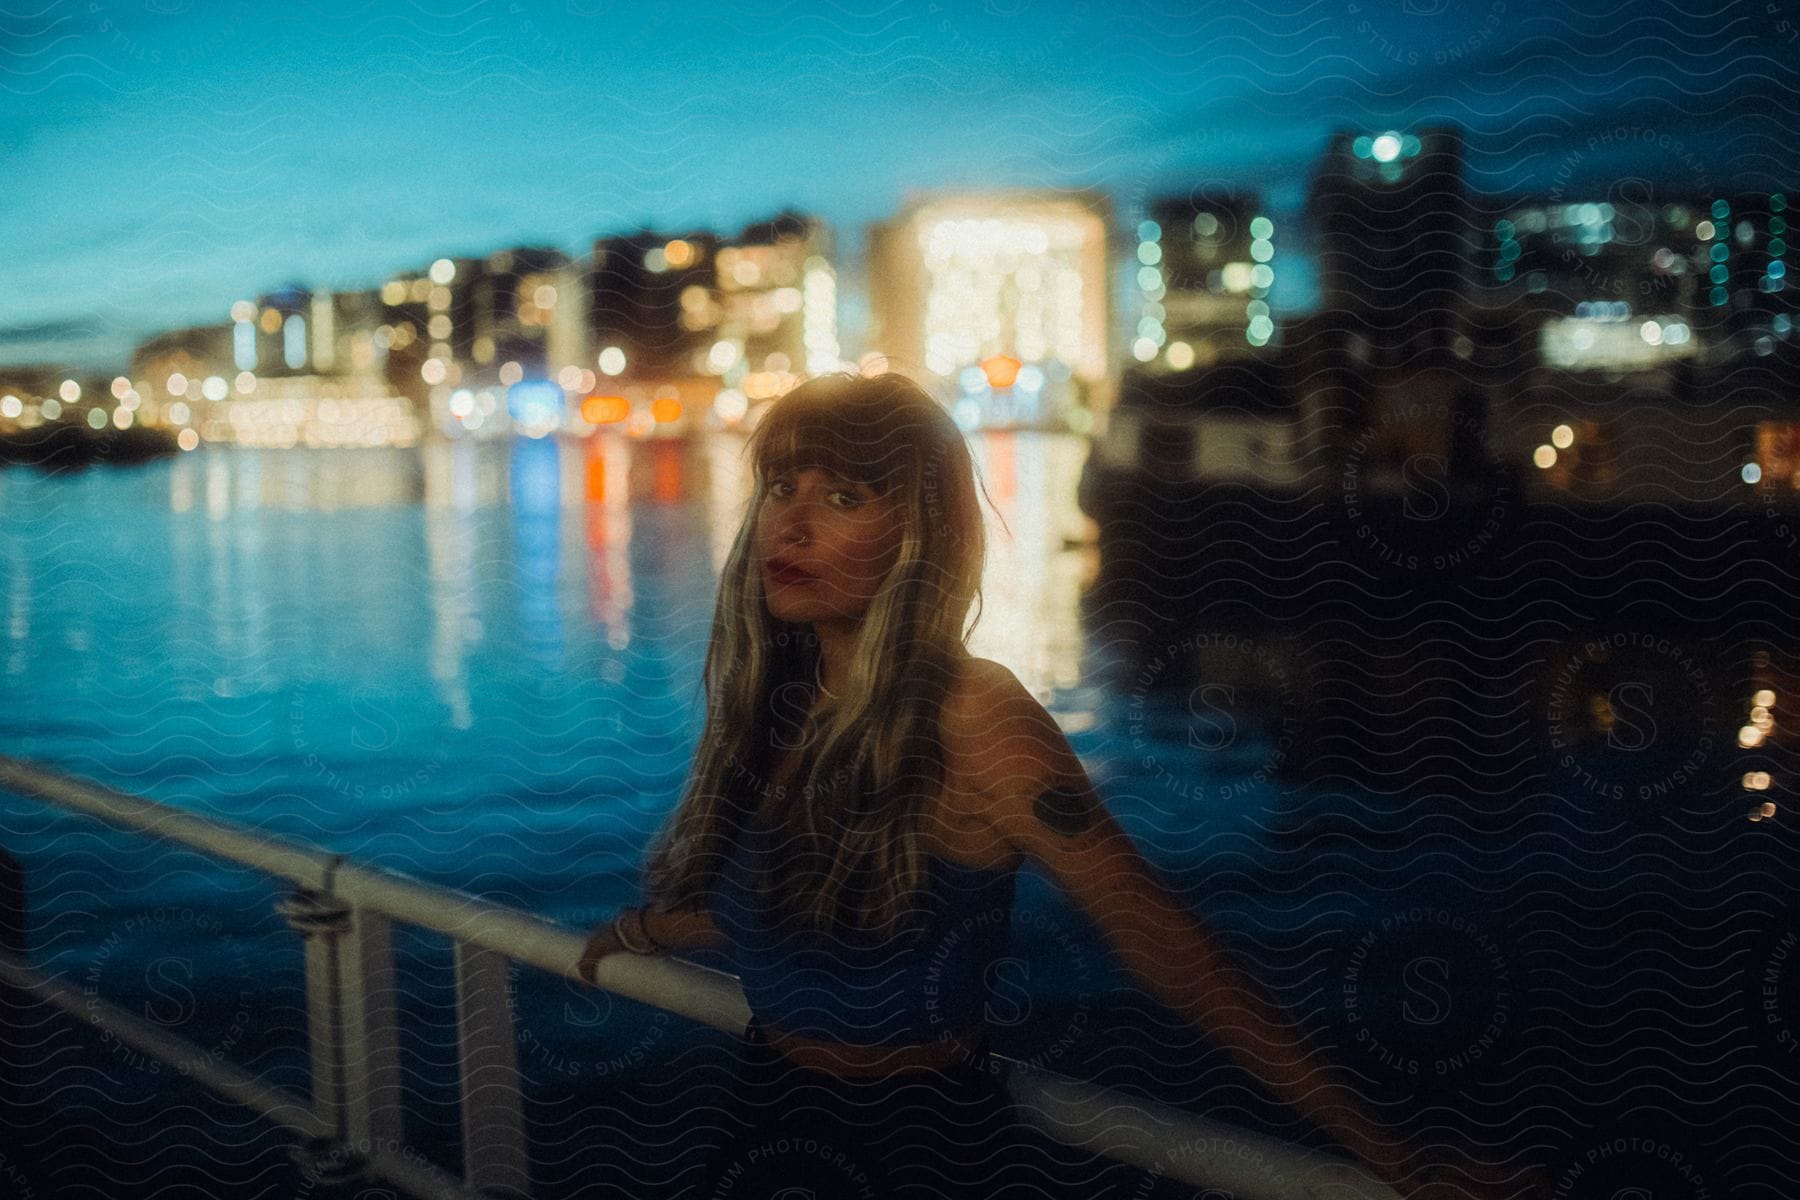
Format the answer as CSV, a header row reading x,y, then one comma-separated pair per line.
x,y
964,287
1700,278
344,327
1396,242
742,317
1747,292
666,301
527,305
653,303
1204,270
484,323
313,411
1592,284
191,354
292,368
296,331
272,336
776,297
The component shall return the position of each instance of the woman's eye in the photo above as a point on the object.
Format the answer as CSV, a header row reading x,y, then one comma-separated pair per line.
x,y
853,499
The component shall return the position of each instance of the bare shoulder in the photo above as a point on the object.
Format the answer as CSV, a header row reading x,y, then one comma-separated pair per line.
x,y
1028,796
979,680
995,721
981,690
1001,741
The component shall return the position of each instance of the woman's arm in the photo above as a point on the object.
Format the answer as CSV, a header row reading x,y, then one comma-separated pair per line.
x,y
676,931
1033,793
671,932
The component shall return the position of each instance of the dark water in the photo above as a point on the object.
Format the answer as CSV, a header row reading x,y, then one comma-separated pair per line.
x,y
480,666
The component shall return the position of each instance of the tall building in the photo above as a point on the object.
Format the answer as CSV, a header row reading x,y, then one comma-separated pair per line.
x,y
653,303
1396,240
754,312
776,297
524,306
270,336
1205,267
1002,299
1593,284
297,331
463,330
1751,302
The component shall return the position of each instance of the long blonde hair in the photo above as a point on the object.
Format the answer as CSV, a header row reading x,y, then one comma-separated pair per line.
x,y
872,758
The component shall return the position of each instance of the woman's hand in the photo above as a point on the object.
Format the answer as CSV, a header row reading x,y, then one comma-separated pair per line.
x,y
601,943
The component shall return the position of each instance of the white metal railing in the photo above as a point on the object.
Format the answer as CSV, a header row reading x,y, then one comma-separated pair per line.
x,y
350,1125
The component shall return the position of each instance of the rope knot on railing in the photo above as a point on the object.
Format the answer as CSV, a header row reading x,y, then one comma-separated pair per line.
x,y
310,911
327,1161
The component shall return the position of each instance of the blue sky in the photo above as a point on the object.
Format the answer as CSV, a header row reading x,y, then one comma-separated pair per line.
x,y
163,158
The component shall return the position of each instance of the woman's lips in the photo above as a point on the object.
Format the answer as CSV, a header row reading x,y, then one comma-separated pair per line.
x,y
790,575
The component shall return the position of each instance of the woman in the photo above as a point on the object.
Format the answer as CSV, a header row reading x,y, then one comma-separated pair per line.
x,y
862,784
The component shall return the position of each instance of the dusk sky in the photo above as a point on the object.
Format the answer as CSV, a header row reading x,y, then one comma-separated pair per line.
x,y
166,157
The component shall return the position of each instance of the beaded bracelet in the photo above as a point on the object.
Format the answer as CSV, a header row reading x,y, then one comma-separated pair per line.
x,y
644,928
618,931
650,944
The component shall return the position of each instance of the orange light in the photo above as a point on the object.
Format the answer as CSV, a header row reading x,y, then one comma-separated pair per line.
x,y
596,481
666,409
605,410
1001,370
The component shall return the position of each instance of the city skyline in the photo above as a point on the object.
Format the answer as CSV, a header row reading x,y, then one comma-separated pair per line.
x,y
244,152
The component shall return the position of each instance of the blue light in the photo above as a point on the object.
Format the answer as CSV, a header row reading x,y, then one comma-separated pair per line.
x,y
293,341
536,485
243,346
536,406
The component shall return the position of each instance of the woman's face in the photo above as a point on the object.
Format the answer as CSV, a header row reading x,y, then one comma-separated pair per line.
x,y
824,545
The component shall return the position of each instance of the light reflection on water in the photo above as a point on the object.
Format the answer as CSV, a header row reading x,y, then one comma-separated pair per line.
x,y
374,650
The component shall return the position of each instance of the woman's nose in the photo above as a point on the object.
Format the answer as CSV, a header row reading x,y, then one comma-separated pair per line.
x,y
795,523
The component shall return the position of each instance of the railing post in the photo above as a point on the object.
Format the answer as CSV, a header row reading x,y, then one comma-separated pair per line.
x,y
16,1004
368,991
494,1154
321,919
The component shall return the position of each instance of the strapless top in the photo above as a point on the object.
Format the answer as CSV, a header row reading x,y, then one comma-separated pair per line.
x,y
921,983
